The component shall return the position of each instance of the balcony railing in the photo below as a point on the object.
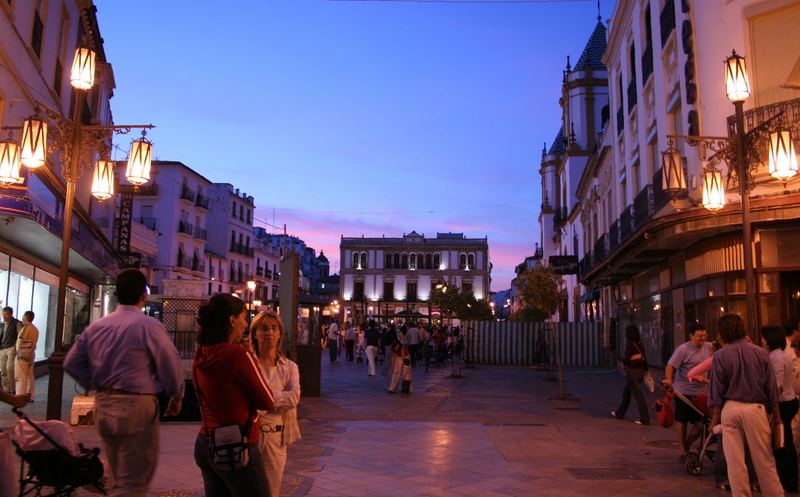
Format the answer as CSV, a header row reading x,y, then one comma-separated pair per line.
x,y
631,95
643,207
625,224
613,236
790,109
184,262
585,264
200,233
241,248
201,201
259,271
600,248
660,199
148,222
187,194
647,63
667,21
184,227
198,266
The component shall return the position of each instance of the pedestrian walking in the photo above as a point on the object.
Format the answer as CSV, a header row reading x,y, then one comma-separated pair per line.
x,y
127,358
399,353
278,428
27,340
388,337
635,363
413,343
333,341
231,387
372,339
676,375
774,340
8,350
456,348
743,396
349,339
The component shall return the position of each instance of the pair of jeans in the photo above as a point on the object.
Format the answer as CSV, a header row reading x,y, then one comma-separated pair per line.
x,y
220,481
633,386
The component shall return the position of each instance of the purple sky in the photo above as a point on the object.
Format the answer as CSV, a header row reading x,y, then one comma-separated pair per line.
x,y
351,118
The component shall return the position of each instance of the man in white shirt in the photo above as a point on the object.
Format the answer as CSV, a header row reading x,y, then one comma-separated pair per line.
x,y
413,343
333,341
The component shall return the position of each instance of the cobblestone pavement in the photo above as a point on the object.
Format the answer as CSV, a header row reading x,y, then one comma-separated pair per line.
x,y
498,431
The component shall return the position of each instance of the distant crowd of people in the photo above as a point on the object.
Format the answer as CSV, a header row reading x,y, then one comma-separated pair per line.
x,y
400,348
745,394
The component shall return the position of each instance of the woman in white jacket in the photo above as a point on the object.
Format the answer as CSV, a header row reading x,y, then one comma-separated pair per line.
x,y
279,428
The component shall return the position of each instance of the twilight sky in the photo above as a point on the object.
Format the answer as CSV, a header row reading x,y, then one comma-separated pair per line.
x,y
356,117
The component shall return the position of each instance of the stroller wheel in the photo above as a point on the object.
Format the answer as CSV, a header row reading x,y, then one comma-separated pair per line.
x,y
693,464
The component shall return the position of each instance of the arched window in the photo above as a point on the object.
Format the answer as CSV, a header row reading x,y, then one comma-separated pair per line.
x,y
387,261
404,261
396,261
412,262
462,261
470,261
437,259
428,261
356,261
363,260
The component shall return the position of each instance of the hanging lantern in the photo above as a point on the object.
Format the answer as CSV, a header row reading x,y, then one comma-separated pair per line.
x,y
713,190
782,156
736,83
673,180
82,76
34,142
103,180
139,159
9,163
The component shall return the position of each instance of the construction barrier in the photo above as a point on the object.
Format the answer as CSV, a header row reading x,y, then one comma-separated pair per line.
x,y
532,343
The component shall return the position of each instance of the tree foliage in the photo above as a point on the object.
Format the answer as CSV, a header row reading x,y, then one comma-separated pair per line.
x,y
540,292
454,304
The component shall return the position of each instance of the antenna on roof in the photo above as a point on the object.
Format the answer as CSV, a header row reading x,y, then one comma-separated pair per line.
x,y
598,10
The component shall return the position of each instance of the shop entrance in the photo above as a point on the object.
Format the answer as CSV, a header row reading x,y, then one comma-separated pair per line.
x,y
790,295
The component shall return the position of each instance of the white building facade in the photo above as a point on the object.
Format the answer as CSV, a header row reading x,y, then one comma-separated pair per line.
x,y
381,277
230,223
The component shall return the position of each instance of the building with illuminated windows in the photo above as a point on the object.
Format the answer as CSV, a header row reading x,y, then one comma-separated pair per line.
x,y
388,278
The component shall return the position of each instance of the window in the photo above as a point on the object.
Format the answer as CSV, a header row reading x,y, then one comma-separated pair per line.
x,y
36,34
396,261
387,261
358,290
437,261
388,290
356,261
412,262
462,261
233,210
635,178
470,261
466,287
411,291
404,261
363,260
249,217
428,261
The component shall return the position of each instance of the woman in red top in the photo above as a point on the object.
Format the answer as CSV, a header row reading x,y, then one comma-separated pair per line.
x,y
231,387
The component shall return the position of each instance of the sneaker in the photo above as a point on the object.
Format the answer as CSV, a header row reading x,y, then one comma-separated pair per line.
x,y
640,422
637,422
614,414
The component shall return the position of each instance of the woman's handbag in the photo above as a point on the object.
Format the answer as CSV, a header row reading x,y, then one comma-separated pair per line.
x,y
663,408
25,350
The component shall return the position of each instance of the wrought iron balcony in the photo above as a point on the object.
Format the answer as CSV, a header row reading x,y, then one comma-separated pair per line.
x,y
200,233
187,194
184,227
625,224
643,207
148,222
201,201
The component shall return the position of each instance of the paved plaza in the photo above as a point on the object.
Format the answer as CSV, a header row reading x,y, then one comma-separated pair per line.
x,y
494,433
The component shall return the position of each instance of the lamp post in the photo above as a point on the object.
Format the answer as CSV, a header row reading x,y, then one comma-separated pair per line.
x,y
76,142
251,285
743,153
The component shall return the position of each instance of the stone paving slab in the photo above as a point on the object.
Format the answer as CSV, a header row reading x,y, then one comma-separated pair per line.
x,y
498,432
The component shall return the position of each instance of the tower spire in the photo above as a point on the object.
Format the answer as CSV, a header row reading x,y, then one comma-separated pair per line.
x,y
599,17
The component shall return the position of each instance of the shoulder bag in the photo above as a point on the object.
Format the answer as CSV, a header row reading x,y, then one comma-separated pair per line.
x,y
25,350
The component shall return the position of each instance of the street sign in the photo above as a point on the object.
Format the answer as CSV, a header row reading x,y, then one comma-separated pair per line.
x,y
131,260
564,264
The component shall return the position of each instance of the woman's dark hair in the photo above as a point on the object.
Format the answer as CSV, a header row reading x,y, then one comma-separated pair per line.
x,y
774,337
131,285
632,333
214,318
730,328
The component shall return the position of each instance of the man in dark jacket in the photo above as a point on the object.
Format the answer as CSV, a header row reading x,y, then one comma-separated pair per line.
x,y
8,350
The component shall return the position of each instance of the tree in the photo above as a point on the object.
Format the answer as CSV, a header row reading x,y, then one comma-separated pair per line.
x,y
446,300
454,304
540,292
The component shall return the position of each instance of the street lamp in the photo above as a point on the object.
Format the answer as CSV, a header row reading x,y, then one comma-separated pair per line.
x,y
251,285
736,151
69,137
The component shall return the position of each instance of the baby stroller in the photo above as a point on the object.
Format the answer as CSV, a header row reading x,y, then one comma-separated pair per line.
x,y
54,460
708,439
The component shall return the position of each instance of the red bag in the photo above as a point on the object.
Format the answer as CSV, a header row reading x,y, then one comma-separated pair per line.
x,y
663,407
